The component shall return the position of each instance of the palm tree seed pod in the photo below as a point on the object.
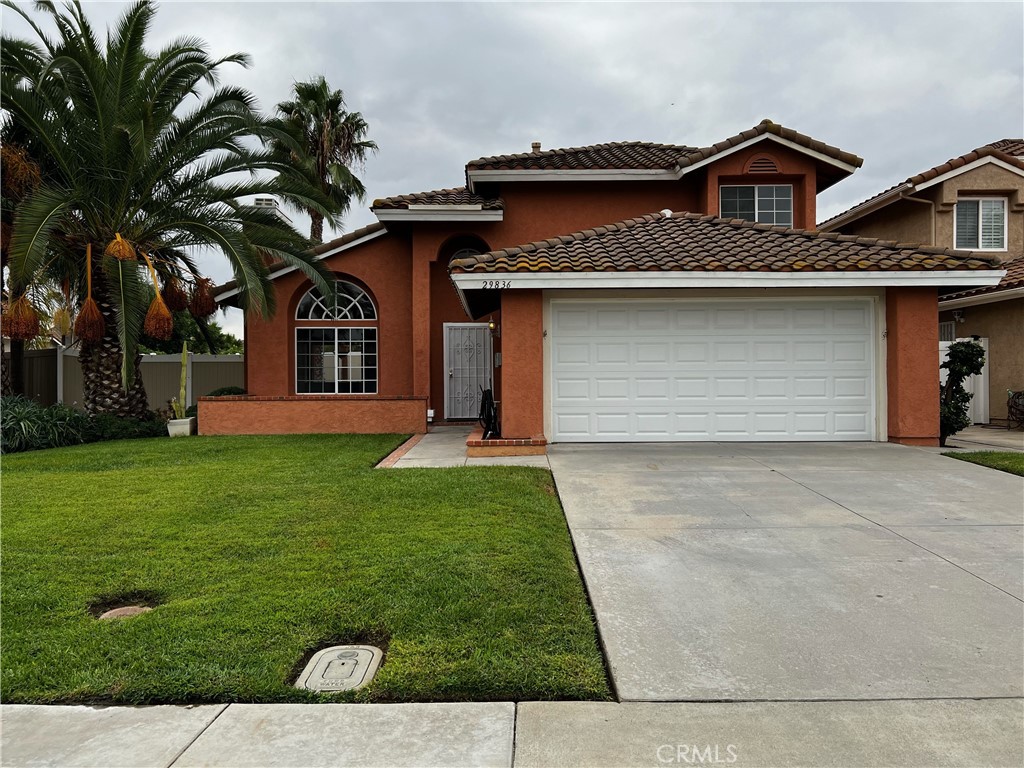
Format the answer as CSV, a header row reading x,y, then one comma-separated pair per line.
x,y
61,321
201,303
159,321
174,297
120,248
21,321
89,325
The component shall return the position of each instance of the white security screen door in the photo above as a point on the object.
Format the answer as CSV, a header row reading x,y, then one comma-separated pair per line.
x,y
675,370
468,368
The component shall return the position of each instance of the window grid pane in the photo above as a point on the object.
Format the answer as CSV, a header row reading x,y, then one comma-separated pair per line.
x,y
967,224
350,303
992,224
764,203
336,361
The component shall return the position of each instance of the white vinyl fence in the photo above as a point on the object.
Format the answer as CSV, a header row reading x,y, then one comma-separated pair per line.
x,y
55,376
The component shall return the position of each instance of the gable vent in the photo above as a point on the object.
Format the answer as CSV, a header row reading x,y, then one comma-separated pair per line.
x,y
763,164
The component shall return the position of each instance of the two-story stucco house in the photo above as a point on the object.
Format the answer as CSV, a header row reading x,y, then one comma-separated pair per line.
x,y
618,292
975,203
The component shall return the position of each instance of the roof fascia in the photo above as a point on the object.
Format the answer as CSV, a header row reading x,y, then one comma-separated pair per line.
x,y
438,213
547,280
984,298
970,167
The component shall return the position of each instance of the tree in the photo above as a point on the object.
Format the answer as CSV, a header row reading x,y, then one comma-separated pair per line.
x,y
963,359
325,141
150,160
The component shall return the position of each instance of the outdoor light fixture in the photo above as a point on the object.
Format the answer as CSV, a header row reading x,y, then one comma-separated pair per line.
x,y
958,315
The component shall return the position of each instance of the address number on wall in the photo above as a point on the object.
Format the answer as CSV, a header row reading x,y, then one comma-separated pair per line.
x,y
497,284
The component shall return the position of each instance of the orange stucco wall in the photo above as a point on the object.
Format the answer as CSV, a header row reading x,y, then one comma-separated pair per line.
x,y
522,367
405,272
312,414
382,267
794,168
912,343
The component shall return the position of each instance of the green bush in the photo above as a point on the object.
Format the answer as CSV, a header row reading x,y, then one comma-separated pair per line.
x,y
225,391
25,425
107,427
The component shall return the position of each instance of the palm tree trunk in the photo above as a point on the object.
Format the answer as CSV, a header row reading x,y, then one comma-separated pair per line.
x,y
14,369
316,227
101,370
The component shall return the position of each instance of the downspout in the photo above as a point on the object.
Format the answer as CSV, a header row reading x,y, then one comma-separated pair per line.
x,y
930,203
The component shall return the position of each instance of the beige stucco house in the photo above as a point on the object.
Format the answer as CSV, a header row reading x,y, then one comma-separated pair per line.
x,y
974,202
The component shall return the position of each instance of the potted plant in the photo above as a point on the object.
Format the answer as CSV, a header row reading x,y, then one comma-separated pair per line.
x,y
181,425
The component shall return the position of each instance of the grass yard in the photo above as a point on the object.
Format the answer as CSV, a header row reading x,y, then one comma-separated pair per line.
x,y
259,550
1007,461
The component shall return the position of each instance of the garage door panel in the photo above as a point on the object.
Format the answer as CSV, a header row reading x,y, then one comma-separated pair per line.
x,y
722,371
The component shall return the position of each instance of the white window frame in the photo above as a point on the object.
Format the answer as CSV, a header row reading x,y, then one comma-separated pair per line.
x,y
335,329
792,202
373,304
947,328
1006,222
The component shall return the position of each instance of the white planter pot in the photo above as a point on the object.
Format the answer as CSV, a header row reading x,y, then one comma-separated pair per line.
x,y
181,427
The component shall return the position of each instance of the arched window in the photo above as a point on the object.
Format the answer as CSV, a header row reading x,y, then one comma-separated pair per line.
x,y
336,342
350,303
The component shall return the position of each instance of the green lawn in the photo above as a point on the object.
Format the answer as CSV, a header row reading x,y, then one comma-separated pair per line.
x,y
260,550
1007,461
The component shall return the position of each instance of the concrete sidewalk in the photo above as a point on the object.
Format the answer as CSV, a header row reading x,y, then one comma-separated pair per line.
x,y
446,447
535,735
978,438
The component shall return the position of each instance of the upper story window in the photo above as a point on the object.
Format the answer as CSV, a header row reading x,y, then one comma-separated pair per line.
x,y
336,353
980,224
763,203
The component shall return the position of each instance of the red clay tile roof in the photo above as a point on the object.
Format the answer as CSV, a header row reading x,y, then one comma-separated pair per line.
x,y
456,196
1014,279
694,242
1008,150
767,126
618,155
644,155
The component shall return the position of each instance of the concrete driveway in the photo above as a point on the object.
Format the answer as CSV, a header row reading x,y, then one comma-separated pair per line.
x,y
769,571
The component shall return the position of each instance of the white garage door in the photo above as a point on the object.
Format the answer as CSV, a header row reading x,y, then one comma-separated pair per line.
x,y
629,371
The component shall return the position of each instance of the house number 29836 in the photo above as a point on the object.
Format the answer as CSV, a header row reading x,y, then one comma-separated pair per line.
x,y
497,284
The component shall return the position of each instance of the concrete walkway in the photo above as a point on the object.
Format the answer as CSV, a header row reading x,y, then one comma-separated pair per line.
x,y
531,735
978,438
446,447
780,571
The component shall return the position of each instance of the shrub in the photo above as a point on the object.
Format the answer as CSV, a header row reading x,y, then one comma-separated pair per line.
x,y
964,358
25,425
106,427
225,391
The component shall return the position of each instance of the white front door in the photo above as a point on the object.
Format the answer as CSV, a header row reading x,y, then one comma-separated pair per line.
x,y
468,368
722,369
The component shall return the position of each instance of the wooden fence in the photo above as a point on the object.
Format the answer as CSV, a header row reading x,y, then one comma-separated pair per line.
x,y
55,376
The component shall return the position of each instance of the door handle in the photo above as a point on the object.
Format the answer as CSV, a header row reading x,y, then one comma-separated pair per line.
x,y
450,373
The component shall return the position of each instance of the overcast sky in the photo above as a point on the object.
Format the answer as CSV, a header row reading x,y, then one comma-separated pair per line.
x,y
904,85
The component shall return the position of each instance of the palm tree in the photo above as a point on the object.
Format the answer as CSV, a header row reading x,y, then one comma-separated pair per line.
x,y
325,142
150,160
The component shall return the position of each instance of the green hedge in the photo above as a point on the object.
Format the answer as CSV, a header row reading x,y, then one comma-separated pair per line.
x,y
25,425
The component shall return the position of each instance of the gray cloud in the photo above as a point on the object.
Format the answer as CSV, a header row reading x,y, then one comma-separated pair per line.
x,y
904,85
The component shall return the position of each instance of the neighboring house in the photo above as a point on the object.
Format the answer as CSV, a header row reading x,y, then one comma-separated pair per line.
x,y
974,202
598,293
